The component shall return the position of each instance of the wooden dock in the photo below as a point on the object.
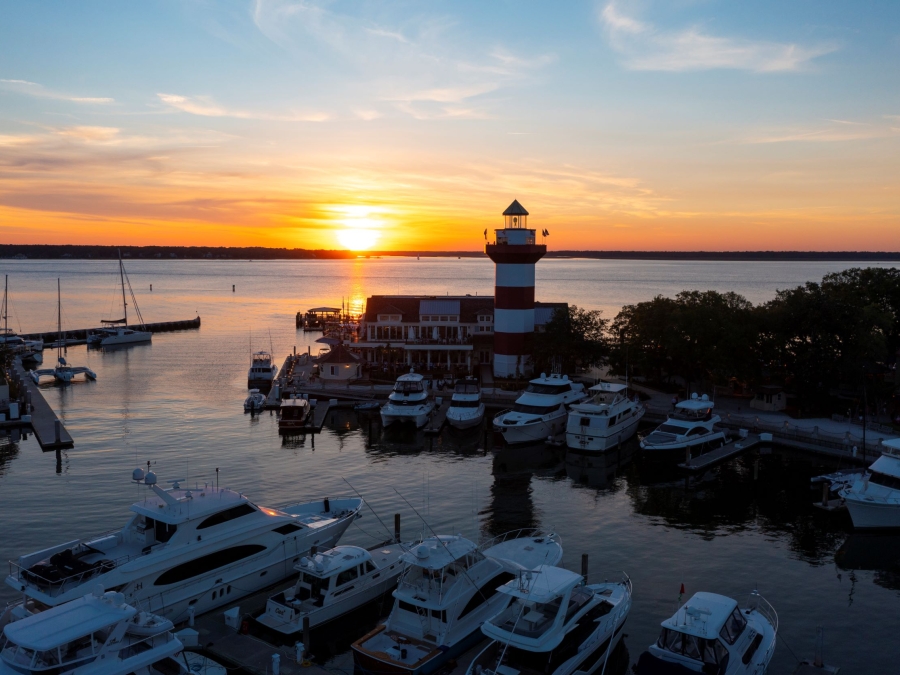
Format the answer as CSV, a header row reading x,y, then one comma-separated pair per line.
x,y
79,336
317,418
47,427
715,457
438,419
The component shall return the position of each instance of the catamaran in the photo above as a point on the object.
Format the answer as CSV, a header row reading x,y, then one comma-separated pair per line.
x,y
63,372
117,332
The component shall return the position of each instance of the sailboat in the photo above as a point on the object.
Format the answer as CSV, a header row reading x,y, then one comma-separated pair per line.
x,y
27,349
117,332
63,372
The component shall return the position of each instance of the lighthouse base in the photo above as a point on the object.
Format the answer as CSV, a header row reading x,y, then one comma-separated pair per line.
x,y
512,365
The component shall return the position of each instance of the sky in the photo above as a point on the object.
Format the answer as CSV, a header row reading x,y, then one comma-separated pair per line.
x,y
619,124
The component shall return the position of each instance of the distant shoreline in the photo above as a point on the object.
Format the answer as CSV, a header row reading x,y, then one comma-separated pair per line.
x,y
84,252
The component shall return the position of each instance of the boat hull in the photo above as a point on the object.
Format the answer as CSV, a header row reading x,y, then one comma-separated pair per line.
x,y
464,422
126,339
872,515
535,432
591,443
677,452
396,415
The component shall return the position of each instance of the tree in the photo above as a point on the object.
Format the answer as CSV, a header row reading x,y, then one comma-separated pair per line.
x,y
577,338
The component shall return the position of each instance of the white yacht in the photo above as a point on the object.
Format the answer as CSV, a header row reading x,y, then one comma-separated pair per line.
x,y
555,624
408,402
333,583
255,402
608,419
873,498
466,407
116,332
184,548
540,411
691,426
19,346
447,592
262,370
711,634
96,634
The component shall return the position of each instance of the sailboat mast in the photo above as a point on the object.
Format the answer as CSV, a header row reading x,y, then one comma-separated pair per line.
x,y
122,279
6,304
58,320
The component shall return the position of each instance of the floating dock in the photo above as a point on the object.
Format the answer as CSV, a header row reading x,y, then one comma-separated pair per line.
x,y
47,427
438,419
715,457
79,336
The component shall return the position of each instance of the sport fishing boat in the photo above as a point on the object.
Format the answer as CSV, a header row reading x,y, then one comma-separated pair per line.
x,y
466,407
711,634
540,411
334,583
608,419
554,624
96,634
447,591
691,426
116,331
182,548
262,370
293,415
255,402
408,402
63,373
873,498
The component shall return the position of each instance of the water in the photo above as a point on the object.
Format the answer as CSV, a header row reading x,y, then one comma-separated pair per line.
x,y
177,402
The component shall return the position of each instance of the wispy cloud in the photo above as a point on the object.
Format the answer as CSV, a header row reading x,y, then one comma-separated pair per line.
x,y
39,91
831,131
204,106
644,46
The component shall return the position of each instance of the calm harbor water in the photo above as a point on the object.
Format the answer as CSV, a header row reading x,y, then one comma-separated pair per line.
x,y
177,403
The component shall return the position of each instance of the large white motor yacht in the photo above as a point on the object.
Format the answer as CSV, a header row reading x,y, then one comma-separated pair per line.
x,y
466,407
540,411
96,634
333,583
183,548
262,370
447,592
608,419
555,624
711,634
873,498
408,402
691,426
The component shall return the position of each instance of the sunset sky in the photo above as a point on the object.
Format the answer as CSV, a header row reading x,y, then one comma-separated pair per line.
x,y
647,125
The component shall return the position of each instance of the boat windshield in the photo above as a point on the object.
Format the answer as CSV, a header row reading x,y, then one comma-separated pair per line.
x,y
878,478
550,389
672,429
464,404
535,409
712,652
533,619
409,387
691,415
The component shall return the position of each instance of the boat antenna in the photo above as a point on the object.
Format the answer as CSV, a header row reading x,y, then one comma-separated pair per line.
x,y
370,507
441,541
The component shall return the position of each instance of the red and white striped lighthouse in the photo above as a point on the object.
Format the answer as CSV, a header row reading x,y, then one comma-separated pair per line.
x,y
514,253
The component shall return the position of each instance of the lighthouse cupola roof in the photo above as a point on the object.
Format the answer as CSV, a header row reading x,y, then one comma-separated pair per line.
x,y
515,215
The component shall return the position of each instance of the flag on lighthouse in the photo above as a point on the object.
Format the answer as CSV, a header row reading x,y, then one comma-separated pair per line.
x,y
681,592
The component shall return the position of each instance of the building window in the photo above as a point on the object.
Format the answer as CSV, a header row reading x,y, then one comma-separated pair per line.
x,y
333,370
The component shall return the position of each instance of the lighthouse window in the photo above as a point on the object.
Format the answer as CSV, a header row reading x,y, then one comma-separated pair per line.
x,y
226,515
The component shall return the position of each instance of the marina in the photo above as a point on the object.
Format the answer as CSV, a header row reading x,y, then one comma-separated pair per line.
x,y
457,480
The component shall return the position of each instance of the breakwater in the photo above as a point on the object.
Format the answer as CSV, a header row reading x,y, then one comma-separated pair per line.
x,y
79,335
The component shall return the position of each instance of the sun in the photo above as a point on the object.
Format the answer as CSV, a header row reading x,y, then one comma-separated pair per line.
x,y
357,238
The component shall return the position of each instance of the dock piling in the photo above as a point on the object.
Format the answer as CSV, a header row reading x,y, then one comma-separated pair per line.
x,y
756,469
397,527
306,636
825,488
56,430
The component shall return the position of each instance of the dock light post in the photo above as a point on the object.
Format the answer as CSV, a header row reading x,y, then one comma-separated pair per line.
x,y
515,253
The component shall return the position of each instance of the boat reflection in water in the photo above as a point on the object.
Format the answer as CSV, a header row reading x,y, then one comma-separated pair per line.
x,y
874,552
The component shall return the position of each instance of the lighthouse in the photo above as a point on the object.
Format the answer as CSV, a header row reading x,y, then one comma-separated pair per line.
x,y
514,253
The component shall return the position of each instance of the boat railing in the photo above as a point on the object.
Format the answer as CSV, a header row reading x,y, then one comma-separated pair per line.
x,y
758,603
150,642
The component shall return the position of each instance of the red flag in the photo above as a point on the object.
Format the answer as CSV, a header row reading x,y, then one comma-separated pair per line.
x,y
681,592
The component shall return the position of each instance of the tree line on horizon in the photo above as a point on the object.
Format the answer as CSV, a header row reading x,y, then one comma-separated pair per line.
x,y
822,341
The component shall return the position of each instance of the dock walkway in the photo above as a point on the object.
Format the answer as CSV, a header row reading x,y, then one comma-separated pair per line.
x,y
438,419
722,454
79,336
49,431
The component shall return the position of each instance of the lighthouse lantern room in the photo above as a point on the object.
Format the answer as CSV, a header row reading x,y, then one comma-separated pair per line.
x,y
514,253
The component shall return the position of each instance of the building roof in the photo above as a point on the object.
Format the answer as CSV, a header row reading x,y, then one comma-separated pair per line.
x,y
703,615
409,306
338,354
543,311
64,623
439,307
515,209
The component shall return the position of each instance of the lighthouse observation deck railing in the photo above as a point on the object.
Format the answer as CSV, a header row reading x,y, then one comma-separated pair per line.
x,y
528,240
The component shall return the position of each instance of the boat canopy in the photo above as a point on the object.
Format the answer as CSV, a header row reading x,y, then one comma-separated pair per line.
x,y
333,561
608,388
66,623
123,320
542,584
702,616
437,552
